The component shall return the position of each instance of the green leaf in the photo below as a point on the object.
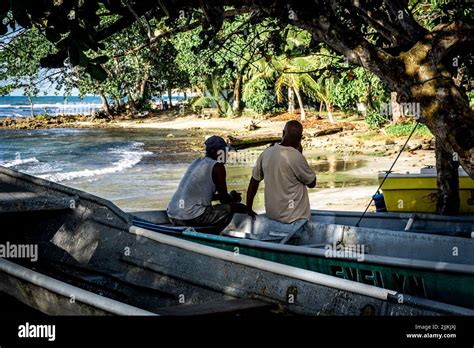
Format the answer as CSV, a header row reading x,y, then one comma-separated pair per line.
x,y
74,54
77,56
52,34
100,60
53,60
96,72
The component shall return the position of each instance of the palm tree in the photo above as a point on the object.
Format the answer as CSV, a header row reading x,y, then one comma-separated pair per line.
x,y
297,80
324,93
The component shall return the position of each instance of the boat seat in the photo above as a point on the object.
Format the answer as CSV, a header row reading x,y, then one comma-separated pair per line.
x,y
236,234
217,307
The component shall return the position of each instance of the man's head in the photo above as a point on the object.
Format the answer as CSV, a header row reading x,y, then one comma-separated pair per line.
x,y
292,133
216,148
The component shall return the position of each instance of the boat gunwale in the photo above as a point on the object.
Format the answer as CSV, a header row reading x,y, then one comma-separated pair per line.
x,y
463,218
302,250
74,193
61,288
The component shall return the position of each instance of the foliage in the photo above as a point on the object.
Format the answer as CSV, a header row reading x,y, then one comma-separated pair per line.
x,y
259,96
20,62
359,86
375,120
153,52
405,128
203,102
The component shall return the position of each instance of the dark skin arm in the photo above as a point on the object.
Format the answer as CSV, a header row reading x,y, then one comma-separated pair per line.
x,y
251,192
299,147
219,178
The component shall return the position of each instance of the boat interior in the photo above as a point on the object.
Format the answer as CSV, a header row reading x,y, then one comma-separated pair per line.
x,y
83,240
380,235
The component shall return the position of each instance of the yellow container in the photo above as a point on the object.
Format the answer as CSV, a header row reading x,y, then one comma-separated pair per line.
x,y
417,192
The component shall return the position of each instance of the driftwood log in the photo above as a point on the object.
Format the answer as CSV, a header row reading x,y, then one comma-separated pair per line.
x,y
328,131
253,141
264,139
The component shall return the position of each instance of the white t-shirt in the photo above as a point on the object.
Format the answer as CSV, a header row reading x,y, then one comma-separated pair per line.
x,y
194,192
286,173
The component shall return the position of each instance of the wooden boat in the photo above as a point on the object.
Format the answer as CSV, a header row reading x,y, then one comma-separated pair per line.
x,y
417,192
432,265
89,255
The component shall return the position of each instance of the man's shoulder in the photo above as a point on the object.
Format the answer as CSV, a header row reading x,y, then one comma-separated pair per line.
x,y
270,149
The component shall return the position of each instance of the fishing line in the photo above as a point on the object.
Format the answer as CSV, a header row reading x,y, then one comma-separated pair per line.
x,y
387,173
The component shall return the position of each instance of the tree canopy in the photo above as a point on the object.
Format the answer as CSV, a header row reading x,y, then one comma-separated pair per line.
x,y
423,51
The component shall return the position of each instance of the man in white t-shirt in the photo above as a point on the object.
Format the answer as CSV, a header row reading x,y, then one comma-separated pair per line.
x,y
287,177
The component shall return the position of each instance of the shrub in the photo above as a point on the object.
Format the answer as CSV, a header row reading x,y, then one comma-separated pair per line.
x,y
259,97
375,120
405,128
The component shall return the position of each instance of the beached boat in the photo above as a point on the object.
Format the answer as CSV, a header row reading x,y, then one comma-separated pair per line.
x,y
88,253
416,192
433,265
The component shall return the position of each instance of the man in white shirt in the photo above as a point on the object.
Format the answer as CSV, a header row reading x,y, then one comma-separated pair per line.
x,y
203,182
287,177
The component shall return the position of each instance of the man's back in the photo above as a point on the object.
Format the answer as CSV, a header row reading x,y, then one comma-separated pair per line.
x,y
195,190
286,174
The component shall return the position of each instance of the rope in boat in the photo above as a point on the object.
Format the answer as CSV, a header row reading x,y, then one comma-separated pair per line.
x,y
387,173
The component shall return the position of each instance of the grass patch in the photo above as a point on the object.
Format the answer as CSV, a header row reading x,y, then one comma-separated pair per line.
x,y
404,129
368,135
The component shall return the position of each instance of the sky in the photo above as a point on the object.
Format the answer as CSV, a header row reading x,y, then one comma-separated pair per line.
x,y
48,91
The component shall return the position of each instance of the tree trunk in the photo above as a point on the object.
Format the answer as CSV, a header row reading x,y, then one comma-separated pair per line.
x,y
170,97
105,103
118,102
31,106
320,108
291,101
448,181
447,114
237,94
330,110
131,101
143,86
395,106
300,102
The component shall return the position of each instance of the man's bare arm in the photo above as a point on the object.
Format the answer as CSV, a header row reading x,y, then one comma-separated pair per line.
x,y
251,192
219,178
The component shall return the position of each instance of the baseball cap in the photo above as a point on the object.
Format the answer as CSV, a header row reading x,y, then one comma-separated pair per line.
x,y
217,142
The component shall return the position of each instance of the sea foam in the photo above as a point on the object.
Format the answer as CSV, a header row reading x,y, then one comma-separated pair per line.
x,y
129,157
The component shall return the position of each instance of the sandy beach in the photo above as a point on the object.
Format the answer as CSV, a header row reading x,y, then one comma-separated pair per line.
x,y
354,143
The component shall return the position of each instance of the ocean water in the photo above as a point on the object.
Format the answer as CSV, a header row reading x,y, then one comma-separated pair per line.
x,y
19,106
122,165
137,169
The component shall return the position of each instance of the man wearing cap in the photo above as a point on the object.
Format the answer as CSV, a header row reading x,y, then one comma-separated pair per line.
x,y
287,177
203,182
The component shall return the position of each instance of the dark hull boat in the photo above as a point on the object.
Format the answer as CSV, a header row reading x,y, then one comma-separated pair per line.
x,y
426,262
92,260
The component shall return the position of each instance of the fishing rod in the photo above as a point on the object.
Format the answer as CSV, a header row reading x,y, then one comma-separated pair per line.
x,y
387,173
